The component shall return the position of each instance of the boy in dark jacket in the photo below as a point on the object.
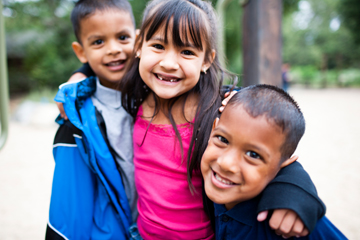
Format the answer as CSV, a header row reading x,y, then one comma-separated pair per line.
x,y
254,139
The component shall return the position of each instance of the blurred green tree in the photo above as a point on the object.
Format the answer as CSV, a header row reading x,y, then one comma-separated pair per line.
x,y
316,35
39,35
39,42
350,14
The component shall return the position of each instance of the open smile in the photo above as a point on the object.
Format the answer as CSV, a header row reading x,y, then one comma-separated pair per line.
x,y
166,78
116,65
221,181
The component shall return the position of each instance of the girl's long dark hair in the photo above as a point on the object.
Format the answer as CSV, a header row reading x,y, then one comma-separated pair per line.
x,y
194,19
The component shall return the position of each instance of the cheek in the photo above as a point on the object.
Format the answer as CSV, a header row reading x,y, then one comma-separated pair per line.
x,y
193,76
205,160
260,177
210,155
128,48
146,62
194,71
143,70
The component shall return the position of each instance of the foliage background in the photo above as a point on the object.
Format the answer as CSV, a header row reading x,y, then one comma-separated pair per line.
x,y
320,41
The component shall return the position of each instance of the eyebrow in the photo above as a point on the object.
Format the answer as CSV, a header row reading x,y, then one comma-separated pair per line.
x,y
125,31
261,150
157,38
220,129
229,136
94,37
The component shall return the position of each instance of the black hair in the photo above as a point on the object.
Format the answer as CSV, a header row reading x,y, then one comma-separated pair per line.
x,y
187,19
85,8
278,107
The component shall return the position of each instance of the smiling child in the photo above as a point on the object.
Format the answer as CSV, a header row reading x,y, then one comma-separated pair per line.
x,y
93,192
254,139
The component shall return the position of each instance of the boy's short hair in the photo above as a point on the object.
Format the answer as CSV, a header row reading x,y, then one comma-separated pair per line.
x,y
85,8
278,107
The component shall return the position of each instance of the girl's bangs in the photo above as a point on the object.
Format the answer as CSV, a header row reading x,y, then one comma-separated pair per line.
x,y
185,21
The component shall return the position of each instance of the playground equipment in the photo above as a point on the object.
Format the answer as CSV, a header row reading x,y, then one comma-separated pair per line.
x,y
4,90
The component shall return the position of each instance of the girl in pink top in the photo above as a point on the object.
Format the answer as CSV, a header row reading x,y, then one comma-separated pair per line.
x,y
176,52
173,91
175,59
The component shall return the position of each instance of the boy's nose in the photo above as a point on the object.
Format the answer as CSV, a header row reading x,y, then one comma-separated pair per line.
x,y
229,162
114,48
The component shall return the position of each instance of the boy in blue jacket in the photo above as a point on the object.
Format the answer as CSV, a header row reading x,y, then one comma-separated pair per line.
x,y
254,139
93,192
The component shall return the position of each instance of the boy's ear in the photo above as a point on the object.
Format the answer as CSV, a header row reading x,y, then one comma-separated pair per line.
x,y
289,161
208,63
79,51
215,123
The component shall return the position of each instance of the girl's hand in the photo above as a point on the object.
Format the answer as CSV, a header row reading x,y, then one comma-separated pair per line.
x,y
285,222
74,78
62,111
228,96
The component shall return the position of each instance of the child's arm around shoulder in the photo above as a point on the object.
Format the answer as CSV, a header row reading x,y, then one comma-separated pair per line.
x,y
294,196
83,72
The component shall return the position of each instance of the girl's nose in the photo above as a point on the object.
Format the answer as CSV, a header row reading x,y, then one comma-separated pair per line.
x,y
169,62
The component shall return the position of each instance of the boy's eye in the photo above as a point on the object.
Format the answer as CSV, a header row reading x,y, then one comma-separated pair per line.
x,y
222,139
158,46
253,154
187,52
123,37
98,42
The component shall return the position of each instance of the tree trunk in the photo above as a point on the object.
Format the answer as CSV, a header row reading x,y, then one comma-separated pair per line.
x,y
262,42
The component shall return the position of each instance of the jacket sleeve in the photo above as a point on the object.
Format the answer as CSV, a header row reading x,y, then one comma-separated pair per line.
x,y
325,230
293,189
72,201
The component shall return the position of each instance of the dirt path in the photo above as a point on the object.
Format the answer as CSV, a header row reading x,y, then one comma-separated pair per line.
x,y
328,151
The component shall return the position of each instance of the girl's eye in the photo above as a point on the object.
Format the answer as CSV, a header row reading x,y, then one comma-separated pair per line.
x,y
187,52
124,37
253,154
222,139
98,42
158,46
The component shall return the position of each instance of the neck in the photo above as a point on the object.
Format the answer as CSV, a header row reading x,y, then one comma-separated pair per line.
x,y
178,109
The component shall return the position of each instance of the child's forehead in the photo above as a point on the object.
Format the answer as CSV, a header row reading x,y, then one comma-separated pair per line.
x,y
108,20
247,132
182,31
105,13
238,112
181,36
179,30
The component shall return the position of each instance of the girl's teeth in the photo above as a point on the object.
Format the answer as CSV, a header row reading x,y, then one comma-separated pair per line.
x,y
162,79
223,180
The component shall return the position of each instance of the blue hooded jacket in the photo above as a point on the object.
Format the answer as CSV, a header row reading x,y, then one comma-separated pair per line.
x,y
88,199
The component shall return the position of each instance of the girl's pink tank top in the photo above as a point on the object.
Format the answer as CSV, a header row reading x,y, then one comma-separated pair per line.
x,y
167,209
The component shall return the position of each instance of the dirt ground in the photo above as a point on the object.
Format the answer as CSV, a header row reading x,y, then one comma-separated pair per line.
x,y
328,152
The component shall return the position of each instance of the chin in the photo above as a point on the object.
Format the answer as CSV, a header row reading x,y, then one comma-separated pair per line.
x,y
216,197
